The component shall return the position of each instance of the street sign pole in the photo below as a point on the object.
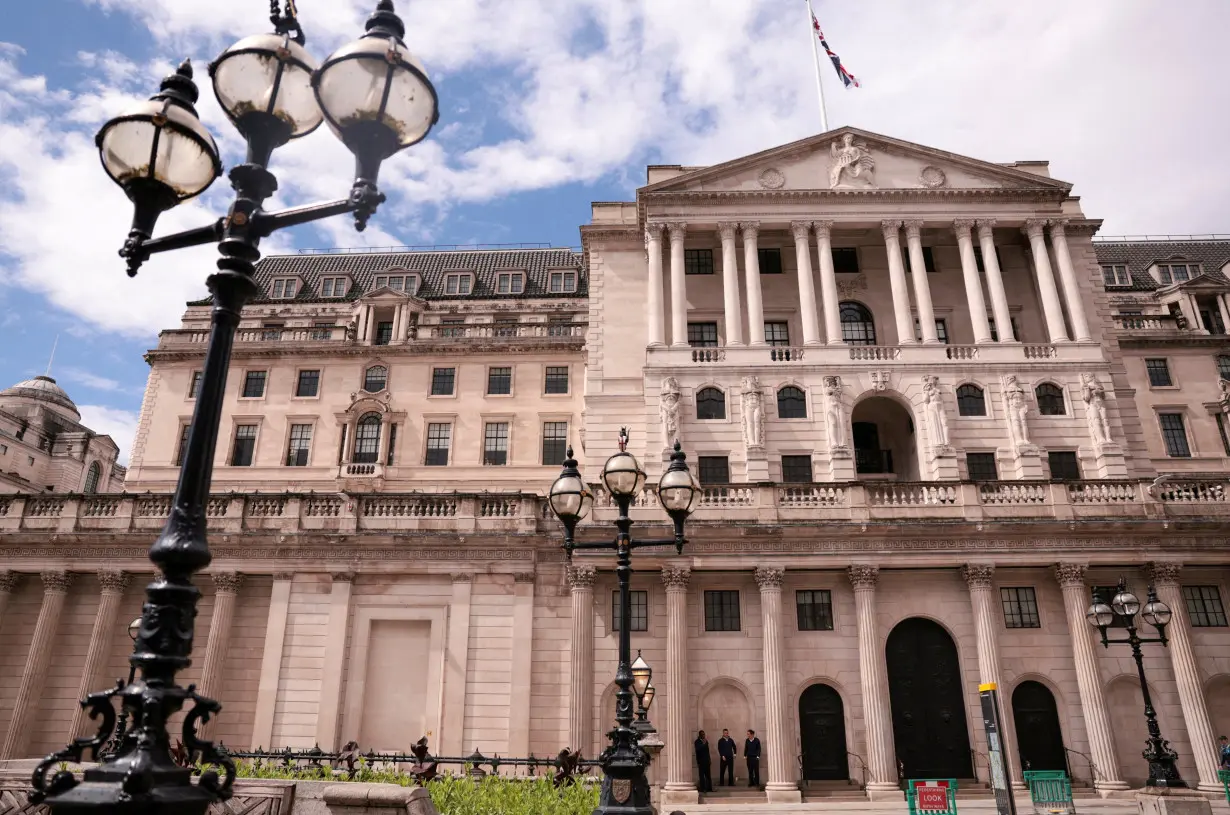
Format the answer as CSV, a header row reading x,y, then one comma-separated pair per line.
x,y
997,754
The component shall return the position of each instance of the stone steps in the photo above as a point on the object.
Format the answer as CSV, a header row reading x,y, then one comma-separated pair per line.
x,y
972,806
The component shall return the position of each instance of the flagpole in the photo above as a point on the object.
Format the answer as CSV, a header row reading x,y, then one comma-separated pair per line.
x,y
815,52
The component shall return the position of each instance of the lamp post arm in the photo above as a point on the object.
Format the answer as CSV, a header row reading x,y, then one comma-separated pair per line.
x,y
137,250
266,223
637,544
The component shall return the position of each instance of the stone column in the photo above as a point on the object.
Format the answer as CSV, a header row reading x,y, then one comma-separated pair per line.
x,y
1200,733
922,287
995,280
9,581
522,661
982,599
25,706
1224,310
334,658
653,247
729,231
679,787
457,655
782,787
897,282
1046,281
113,585
679,287
807,286
271,661
1076,599
226,590
871,671
973,284
828,283
1067,276
751,271
581,692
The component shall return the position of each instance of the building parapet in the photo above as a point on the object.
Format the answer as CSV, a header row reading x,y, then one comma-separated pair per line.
x,y
328,337
826,355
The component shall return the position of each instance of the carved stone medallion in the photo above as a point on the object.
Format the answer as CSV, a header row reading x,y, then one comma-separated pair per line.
x,y
847,288
932,177
772,179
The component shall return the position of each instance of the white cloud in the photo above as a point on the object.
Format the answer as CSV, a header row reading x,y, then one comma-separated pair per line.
x,y
120,425
91,380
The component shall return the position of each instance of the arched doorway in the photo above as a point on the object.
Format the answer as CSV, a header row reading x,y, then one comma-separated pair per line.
x,y
1038,735
885,445
822,734
925,691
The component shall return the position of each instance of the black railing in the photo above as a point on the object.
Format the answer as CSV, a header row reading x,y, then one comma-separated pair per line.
x,y
873,462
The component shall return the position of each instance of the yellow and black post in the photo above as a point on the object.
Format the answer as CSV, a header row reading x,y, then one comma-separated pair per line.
x,y
997,753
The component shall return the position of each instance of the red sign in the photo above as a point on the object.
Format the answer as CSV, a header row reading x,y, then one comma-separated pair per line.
x,y
931,796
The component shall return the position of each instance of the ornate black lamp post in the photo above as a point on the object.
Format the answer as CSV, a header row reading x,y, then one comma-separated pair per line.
x,y
625,789
113,745
377,100
1163,762
642,685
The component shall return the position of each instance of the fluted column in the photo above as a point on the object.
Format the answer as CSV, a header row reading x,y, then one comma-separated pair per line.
x,y
1187,676
113,585
978,576
1051,308
782,786
1067,277
1076,599
828,283
729,233
807,286
653,300
922,286
871,674
679,286
581,678
897,282
226,590
995,280
973,285
25,706
678,742
9,581
751,272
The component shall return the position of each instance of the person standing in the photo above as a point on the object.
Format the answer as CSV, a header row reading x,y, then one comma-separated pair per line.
x,y
1223,752
726,759
704,764
751,752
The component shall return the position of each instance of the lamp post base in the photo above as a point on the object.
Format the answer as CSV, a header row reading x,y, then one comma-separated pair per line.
x,y
625,790
1173,802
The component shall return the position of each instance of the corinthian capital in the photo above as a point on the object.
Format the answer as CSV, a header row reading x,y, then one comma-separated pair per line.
x,y
769,577
1070,574
728,230
863,575
56,581
1164,573
750,228
978,575
1057,225
227,582
801,230
676,578
824,229
678,230
653,232
913,229
962,226
581,578
891,230
9,580
985,225
1033,228
113,581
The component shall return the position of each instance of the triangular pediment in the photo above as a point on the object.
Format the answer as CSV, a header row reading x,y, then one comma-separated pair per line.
x,y
387,295
853,160
1201,282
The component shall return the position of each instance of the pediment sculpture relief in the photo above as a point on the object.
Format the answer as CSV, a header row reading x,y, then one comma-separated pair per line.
x,y
850,163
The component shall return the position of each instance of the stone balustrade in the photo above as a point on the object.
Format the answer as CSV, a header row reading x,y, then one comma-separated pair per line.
x,y
826,356
186,339
1146,322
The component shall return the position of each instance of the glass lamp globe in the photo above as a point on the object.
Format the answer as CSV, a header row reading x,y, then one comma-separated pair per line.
x,y
134,628
1125,603
641,674
677,489
647,697
264,77
1099,615
1157,613
623,475
569,497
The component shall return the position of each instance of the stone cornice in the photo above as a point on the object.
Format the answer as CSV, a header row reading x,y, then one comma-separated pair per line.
x,y
418,348
986,195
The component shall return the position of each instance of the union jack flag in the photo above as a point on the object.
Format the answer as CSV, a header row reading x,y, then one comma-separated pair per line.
x,y
846,77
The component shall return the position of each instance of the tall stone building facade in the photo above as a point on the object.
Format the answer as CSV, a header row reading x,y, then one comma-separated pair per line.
x,y
923,399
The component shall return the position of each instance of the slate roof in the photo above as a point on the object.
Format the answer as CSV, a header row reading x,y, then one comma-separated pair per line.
x,y
1138,256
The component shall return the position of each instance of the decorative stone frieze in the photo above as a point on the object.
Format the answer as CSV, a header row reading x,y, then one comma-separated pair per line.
x,y
523,577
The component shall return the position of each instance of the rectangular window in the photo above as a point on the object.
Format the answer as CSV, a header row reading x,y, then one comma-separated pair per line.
x,y
388,460
814,609
1016,332
443,380
559,328
1116,275
562,282
245,445
777,333
1177,272
321,331
506,327
183,446
796,470
638,608
284,289
698,261
1159,373
928,259
439,437
271,332
1221,431
384,333
556,379
702,335
722,610
845,260
1064,466
499,381
457,284
1204,606
713,470
254,384
1020,607
1174,434
299,446
981,466
769,260
509,283
332,287
309,383
453,327
495,443
554,443
941,330
194,387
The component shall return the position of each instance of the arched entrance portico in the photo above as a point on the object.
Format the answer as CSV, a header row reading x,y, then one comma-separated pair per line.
x,y
928,705
885,444
822,734
1038,735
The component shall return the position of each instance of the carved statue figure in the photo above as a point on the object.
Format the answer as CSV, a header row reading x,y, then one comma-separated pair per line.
x,y
933,402
1095,409
1017,410
668,409
753,413
850,160
834,413
1224,399
412,326
352,329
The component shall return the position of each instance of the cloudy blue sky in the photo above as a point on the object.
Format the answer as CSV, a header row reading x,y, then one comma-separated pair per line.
x,y
547,105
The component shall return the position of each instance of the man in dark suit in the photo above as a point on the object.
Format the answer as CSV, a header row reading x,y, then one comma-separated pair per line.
x,y
751,752
726,759
704,764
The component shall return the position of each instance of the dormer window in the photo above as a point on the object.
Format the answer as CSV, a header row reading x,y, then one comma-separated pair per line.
x,y
333,287
284,288
458,283
562,282
403,283
1116,274
1169,273
510,283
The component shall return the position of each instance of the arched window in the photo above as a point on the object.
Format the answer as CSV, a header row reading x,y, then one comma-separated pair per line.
x,y
791,403
367,440
710,404
971,401
376,379
92,477
1050,399
857,327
